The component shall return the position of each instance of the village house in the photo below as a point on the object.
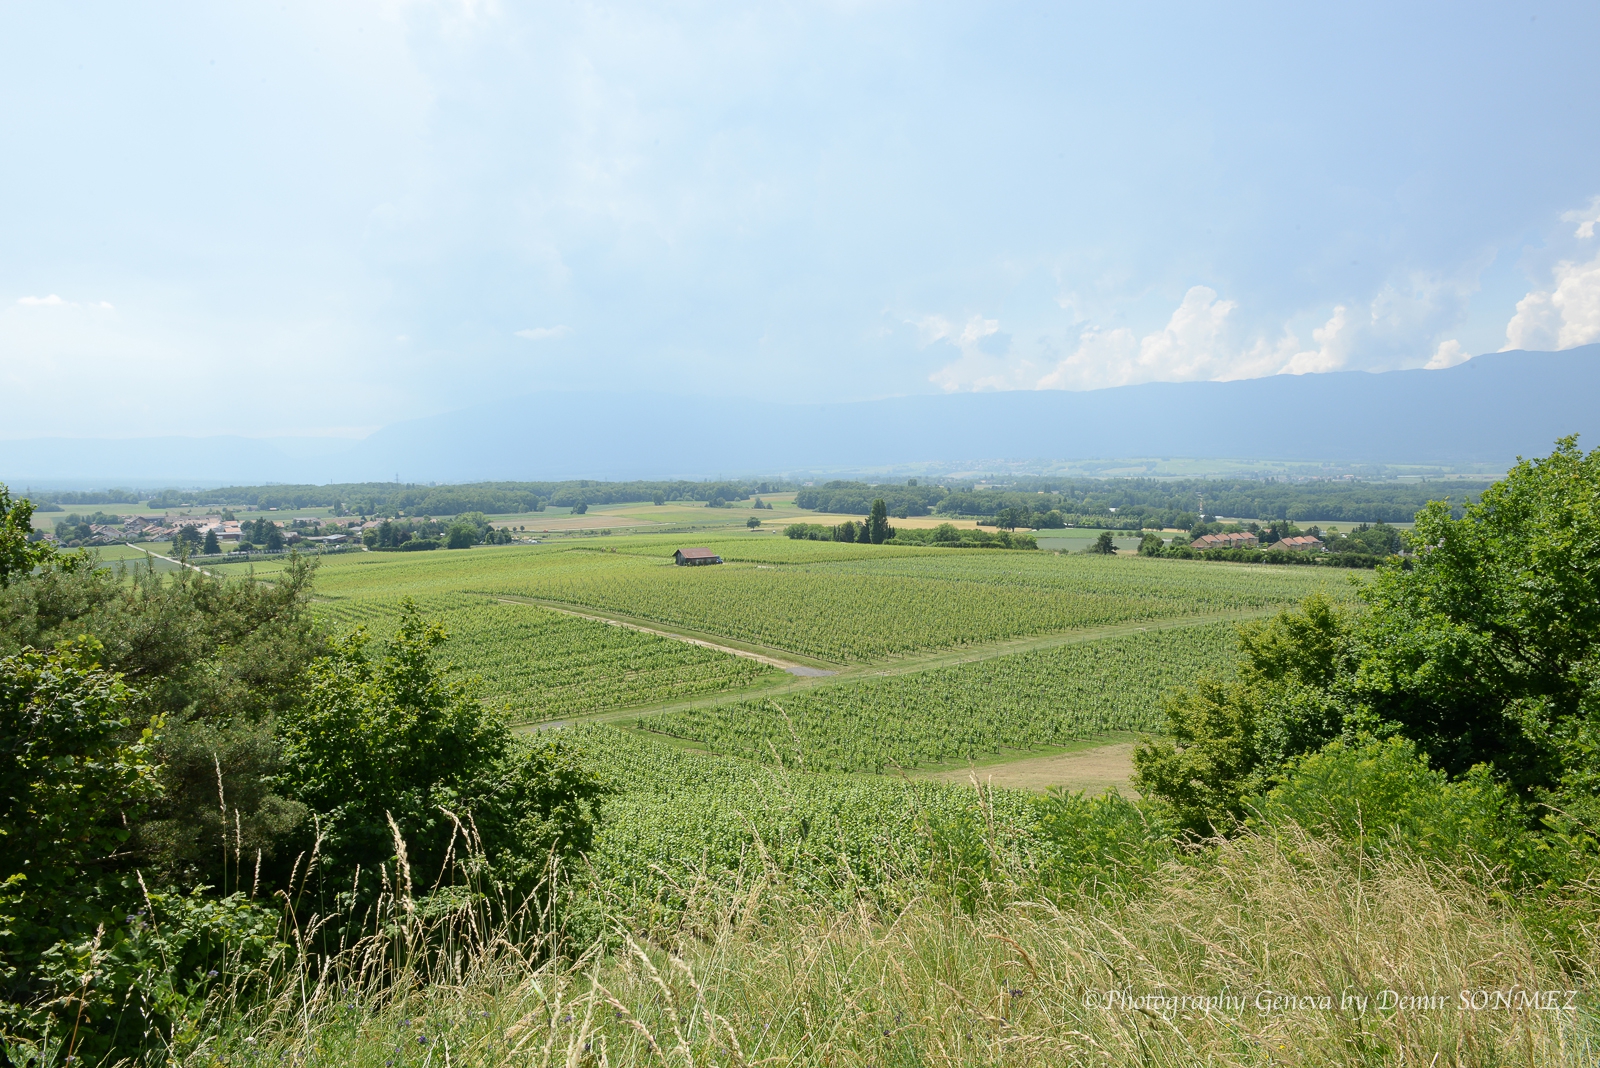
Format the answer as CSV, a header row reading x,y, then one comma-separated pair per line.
x,y
1304,544
1242,539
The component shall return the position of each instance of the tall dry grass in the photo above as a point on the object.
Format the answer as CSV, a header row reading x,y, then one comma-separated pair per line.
x,y
1273,940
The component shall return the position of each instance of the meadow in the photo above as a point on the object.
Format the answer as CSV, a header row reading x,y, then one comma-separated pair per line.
x,y
975,711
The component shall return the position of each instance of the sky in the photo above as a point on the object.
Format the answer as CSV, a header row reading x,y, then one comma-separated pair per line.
x,y
317,219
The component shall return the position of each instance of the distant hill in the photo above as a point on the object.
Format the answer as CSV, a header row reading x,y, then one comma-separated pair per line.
x,y
1487,410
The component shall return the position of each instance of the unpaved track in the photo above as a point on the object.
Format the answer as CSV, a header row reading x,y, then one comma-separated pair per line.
x,y
807,675
772,661
1094,770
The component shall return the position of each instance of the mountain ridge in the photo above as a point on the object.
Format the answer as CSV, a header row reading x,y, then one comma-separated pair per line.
x,y
1487,410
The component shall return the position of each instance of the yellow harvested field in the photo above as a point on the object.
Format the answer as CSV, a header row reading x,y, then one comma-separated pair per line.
x,y
916,522
593,521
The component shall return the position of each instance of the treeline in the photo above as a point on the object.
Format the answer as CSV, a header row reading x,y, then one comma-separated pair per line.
x,y
948,536
1166,502
491,498
855,498
945,535
1137,503
49,502
414,535
1270,556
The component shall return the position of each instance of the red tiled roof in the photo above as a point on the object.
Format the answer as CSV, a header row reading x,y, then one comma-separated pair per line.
x,y
696,554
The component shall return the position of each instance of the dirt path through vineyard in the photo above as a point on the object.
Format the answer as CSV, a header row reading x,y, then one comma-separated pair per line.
x,y
1092,769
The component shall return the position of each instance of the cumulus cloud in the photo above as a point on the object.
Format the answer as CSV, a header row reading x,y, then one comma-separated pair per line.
x,y
1203,340
544,333
1448,354
1200,341
1566,314
1333,347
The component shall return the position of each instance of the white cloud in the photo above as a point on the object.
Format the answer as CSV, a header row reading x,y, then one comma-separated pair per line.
x,y
1194,343
544,333
1201,341
1448,354
1585,218
984,362
1332,351
1565,315
1204,341
54,301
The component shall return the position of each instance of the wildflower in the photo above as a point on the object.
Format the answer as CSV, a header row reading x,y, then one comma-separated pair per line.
x,y
212,974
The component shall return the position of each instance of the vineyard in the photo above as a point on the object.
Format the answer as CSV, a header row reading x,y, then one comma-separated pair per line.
x,y
537,664
678,818
860,612
876,602
966,712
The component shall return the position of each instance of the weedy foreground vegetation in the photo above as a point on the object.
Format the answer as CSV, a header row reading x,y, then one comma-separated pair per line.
x,y
240,828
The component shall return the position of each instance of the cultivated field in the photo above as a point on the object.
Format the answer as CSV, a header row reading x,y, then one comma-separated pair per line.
x,y
1006,705
536,664
842,604
935,658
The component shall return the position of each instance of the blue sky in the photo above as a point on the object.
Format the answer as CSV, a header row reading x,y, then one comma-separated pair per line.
x,y
312,218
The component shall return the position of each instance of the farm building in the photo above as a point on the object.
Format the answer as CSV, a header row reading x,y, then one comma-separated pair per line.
x,y
1239,540
1306,544
695,557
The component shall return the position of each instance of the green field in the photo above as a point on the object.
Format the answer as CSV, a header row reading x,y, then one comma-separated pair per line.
x,y
972,711
678,818
537,664
944,656
838,603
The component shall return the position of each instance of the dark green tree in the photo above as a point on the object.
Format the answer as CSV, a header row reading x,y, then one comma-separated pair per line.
x,y
211,544
386,743
1227,738
75,773
1104,544
187,540
217,661
1483,648
18,555
878,529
